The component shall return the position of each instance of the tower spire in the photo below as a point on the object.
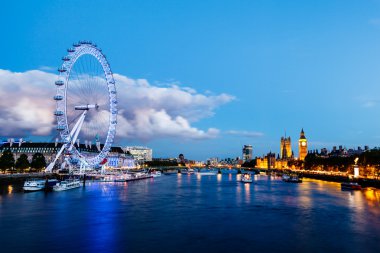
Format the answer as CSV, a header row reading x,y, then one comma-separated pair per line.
x,y
302,134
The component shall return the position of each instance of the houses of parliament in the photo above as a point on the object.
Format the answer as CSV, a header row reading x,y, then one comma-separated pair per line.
x,y
286,153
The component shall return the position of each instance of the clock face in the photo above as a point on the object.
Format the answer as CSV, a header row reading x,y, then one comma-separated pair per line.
x,y
303,144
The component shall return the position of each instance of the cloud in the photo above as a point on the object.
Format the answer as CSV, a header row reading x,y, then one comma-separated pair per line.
x,y
369,104
47,69
249,134
176,101
146,124
366,101
374,21
146,111
26,106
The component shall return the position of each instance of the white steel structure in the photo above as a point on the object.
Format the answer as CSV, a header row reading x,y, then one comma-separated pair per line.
x,y
86,106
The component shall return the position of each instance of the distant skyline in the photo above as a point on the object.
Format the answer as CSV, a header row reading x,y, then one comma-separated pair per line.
x,y
204,78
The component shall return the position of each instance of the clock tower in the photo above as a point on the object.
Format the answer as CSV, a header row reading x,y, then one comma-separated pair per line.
x,y
302,146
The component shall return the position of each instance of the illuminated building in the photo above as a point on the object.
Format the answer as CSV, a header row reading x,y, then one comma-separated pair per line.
x,y
247,153
213,161
116,156
141,154
267,162
285,148
302,146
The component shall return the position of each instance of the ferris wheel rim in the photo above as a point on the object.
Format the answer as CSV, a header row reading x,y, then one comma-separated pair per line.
x,y
80,49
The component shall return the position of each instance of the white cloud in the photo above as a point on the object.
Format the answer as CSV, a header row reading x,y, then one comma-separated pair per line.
x,y
146,124
369,104
245,133
26,106
176,101
366,101
47,69
374,21
145,111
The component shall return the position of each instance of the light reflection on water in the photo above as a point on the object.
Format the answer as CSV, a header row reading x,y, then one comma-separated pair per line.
x,y
194,213
10,189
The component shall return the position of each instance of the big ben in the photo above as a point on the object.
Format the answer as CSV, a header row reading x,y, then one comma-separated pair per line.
x,y
302,146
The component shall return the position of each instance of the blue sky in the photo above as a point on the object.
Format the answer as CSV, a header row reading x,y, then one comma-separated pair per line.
x,y
284,65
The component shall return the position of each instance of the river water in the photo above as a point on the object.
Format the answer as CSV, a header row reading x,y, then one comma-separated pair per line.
x,y
192,213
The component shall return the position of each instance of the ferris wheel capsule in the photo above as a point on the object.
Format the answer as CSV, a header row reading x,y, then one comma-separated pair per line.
x,y
58,113
62,69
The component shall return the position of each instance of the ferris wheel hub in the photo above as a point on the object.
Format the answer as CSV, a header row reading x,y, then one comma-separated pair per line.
x,y
86,107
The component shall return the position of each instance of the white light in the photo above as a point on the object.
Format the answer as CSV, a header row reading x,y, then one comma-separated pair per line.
x,y
356,171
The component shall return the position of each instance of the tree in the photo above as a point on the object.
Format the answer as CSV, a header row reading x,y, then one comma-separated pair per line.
x,y
22,162
158,163
38,161
7,161
249,164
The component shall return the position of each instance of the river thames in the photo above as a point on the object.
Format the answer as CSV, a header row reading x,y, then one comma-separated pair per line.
x,y
192,213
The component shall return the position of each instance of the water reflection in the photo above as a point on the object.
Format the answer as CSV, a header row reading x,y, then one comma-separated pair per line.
x,y
179,179
314,216
373,196
10,189
247,191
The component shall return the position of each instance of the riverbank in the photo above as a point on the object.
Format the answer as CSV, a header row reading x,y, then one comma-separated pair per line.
x,y
18,177
364,182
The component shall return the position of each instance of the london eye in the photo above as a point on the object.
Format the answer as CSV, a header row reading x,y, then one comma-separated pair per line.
x,y
86,106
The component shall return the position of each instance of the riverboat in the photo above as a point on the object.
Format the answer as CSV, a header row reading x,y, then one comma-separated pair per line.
x,y
122,177
156,173
132,176
36,184
246,178
350,186
291,178
67,185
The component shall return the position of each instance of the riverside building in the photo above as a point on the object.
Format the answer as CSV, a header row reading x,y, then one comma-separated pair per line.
x,y
116,156
247,153
141,154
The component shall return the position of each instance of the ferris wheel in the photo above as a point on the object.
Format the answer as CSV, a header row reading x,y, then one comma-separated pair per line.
x,y
86,106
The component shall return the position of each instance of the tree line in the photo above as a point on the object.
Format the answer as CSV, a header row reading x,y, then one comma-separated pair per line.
x,y
159,163
8,162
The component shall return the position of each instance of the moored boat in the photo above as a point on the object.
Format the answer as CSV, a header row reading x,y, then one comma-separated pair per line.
x,y
156,173
293,178
67,185
350,186
132,176
246,178
36,184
